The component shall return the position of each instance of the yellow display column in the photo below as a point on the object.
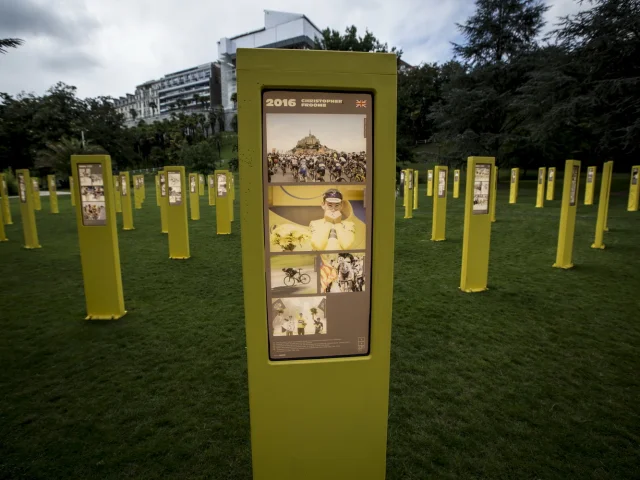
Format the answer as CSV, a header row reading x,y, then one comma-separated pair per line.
x,y
542,173
97,236
476,241
404,185
513,187
223,199
137,192
494,195
568,214
201,184
590,185
415,189
26,198
3,235
194,197
551,183
177,212
72,193
125,197
35,192
438,227
602,205
429,183
232,194
164,201
143,189
53,194
157,184
212,189
6,207
606,212
634,192
456,183
408,208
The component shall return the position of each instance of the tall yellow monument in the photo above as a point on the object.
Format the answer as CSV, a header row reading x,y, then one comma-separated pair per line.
x,y
429,183
179,248
53,194
514,184
494,194
35,192
601,220
456,183
408,189
27,199
570,188
201,184
223,199
125,198
590,185
542,171
212,189
194,196
415,189
6,207
164,201
438,226
551,183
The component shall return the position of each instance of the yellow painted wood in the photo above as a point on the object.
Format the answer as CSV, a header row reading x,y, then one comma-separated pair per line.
x,y
570,189
403,174
514,184
35,192
494,196
415,189
634,189
137,192
542,173
429,183
456,183
211,181
551,183
590,185
408,207
223,210
179,248
348,440
476,240
4,199
27,200
602,205
194,196
125,198
439,223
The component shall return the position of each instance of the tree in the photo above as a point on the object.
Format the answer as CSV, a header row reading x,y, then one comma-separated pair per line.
x,y
9,43
134,113
200,157
56,157
351,42
314,312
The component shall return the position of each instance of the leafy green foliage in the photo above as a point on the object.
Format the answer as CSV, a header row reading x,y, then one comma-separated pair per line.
x,y
202,157
350,41
56,157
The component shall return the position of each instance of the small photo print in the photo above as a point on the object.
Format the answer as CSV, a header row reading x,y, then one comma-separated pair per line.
x,y
22,187
192,183
481,189
123,185
294,275
90,174
175,188
540,176
94,213
342,272
299,316
92,194
590,175
163,185
212,182
634,176
222,185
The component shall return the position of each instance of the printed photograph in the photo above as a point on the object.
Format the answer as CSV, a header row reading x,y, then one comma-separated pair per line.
x,y
163,185
551,174
299,316
92,194
540,176
481,189
175,188
589,176
293,274
442,183
574,186
212,183
90,175
316,218
22,188
634,176
222,185
94,213
513,176
342,272
123,186
192,183
36,186
304,148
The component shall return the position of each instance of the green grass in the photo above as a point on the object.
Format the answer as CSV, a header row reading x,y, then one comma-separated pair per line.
x,y
536,378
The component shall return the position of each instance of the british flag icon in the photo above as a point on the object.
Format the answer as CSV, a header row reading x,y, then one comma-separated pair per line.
x,y
361,103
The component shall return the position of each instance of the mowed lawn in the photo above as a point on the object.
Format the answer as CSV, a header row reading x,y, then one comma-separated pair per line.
x,y
536,378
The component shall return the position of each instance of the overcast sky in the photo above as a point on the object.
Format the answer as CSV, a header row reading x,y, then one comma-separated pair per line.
x,y
107,47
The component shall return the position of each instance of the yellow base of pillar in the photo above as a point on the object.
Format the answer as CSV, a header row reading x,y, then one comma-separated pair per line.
x,y
105,317
31,248
601,247
564,267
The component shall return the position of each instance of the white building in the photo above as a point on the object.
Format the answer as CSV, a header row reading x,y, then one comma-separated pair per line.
x,y
281,30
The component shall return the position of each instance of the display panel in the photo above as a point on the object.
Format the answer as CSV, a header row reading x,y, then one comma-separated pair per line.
x,y
442,183
175,188
551,174
222,185
192,183
123,185
634,176
574,186
411,181
22,188
456,176
482,181
93,204
590,175
540,176
212,182
317,150
513,176
163,184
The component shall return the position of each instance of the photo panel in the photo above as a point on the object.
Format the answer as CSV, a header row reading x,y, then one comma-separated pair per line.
x,y
294,275
481,189
175,188
93,204
124,187
192,183
299,316
22,188
221,180
342,272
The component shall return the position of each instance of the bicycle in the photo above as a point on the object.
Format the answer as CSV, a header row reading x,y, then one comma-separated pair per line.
x,y
292,278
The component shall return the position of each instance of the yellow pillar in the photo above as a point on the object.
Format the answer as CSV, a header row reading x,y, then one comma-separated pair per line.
x,y
408,208
3,235
606,213
494,194
194,197
456,183
439,224
540,195
602,205
212,189
634,192
551,183
72,193
116,193
53,195
143,190
513,188
35,192
27,199
429,183
6,207
568,214
415,189
164,202
223,217
125,197
177,212
137,192
232,194
98,238
477,225
157,183
590,185
201,184
403,185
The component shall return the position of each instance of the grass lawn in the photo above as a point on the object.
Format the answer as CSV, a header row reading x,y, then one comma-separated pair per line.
x,y
537,378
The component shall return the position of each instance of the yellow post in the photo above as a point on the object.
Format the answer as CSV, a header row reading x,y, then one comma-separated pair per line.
x,y
212,189
415,189
606,212
494,194
568,214
429,183
125,197
223,217
35,192
116,194
634,192
164,202
143,189
157,183
439,224
551,183
27,199
137,192
53,195
3,235
72,193
408,208
456,183
590,185
232,194
97,236
194,198
404,182
201,184
541,178
602,205
177,212
6,207
513,188
477,225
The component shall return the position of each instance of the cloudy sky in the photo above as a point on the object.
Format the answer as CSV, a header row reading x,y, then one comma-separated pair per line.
x,y
107,47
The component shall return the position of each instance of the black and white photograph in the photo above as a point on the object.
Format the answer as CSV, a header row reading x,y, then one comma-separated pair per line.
x,y
299,316
212,182
541,176
90,174
175,188
192,183
303,148
94,213
22,188
342,272
551,174
124,190
163,185
513,176
36,186
92,194
442,183
574,185
294,275
456,176
634,176
590,175
481,189
222,185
